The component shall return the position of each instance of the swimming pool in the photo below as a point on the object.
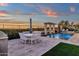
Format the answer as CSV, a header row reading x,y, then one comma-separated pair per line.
x,y
60,36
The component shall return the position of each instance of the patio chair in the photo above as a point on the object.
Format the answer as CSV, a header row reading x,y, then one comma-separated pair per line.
x,y
28,41
37,37
23,39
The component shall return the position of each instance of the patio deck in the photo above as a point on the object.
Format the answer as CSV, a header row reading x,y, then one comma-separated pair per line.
x,y
15,48
75,38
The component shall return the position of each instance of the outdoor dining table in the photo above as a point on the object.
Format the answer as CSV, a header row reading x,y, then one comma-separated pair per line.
x,y
31,38
28,35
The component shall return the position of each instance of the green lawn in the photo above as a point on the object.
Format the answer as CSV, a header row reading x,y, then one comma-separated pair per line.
x,y
63,49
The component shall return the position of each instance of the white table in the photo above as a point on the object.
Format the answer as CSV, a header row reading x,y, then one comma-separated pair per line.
x,y
31,37
28,35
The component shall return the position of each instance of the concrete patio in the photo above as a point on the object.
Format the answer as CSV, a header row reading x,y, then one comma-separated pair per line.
x,y
15,48
73,40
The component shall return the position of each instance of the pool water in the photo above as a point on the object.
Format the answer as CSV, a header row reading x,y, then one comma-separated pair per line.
x,y
60,36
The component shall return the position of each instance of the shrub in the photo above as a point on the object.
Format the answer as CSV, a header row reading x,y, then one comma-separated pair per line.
x,y
12,33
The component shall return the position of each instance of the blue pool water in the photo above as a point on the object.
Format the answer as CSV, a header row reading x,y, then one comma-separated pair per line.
x,y
60,36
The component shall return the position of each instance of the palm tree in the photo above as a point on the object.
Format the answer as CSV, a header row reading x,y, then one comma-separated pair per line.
x,y
72,25
65,24
77,27
62,23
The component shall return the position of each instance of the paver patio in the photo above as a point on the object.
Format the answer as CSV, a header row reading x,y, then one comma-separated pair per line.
x,y
15,48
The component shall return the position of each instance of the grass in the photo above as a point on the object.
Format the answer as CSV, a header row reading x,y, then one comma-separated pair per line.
x,y
63,49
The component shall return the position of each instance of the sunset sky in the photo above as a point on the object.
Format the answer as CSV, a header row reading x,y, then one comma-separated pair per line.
x,y
41,12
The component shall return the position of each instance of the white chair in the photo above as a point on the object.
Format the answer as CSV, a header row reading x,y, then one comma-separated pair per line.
x,y
37,38
25,38
22,38
29,38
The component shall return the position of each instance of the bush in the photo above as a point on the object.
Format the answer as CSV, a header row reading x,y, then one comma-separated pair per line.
x,y
12,33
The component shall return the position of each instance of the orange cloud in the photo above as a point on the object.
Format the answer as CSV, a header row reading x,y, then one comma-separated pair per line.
x,y
3,13
49,12
3,4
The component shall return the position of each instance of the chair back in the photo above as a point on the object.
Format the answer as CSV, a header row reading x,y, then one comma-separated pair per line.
x,y
22,36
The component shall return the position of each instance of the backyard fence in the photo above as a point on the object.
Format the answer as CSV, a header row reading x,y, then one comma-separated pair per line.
x,y
18,26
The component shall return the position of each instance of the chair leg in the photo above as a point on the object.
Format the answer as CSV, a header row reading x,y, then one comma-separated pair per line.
x,y
33,42
38,41
22,41
27,41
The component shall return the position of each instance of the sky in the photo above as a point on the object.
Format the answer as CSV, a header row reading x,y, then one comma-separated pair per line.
x,y
40,12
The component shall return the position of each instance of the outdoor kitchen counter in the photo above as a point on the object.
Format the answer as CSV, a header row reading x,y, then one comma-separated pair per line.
x,y
2,38
3,43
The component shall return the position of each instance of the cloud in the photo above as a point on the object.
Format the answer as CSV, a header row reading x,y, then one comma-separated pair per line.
x,y
3,4
72,9
28,4
3,13
49,12
31,14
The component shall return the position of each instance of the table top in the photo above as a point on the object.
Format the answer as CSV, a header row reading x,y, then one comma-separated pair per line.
x,y
28,34
31,36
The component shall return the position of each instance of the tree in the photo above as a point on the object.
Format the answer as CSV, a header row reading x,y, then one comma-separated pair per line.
x,y
65,24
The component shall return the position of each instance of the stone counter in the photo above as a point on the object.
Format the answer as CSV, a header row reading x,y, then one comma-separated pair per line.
x,y
3,44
